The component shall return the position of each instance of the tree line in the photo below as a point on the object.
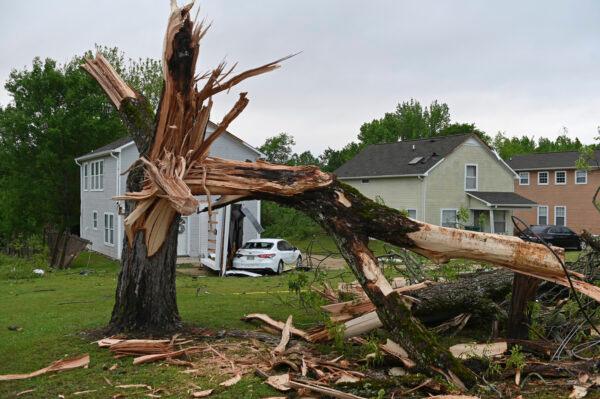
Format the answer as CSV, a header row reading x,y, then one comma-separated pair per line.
x,y
411,120
57,113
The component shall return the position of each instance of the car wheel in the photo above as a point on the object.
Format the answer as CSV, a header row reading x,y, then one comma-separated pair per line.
x,y
299,262
280,267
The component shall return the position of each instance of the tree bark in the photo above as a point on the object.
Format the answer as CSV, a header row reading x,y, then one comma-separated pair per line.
x,y
475,293
145,300
524,289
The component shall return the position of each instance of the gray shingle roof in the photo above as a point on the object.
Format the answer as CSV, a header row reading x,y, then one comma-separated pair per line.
x,y
501,198
547,160
394,159
110,146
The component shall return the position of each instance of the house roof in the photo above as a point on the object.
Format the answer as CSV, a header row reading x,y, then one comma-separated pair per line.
x,y
501,198
409,157
547,160
123,141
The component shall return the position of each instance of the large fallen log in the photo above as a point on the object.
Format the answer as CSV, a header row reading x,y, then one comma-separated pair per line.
x,y
475,293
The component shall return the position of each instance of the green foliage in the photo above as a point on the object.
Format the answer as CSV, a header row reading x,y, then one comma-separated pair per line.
x,y
278,149
280,221
463,214
372,352
57,113
508,147
516,360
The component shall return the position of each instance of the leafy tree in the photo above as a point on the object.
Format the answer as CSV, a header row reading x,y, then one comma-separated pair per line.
x,y
304,158
384,130
278,149
508,147
465,128
332,159
57,113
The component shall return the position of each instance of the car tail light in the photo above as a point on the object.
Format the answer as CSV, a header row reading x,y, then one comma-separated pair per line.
x,y
266,256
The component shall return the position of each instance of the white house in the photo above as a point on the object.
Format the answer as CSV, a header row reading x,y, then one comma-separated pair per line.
x,y
210,240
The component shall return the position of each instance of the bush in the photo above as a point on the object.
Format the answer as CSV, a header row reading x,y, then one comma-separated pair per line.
x,y
280,221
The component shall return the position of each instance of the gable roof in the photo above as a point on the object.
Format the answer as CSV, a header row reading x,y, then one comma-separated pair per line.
x,y
124,141
401,158
547,160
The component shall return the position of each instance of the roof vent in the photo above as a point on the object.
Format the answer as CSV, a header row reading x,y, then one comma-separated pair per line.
x,y
413,147
415,160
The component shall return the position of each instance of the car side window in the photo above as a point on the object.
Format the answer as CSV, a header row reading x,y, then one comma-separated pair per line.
x,y
281,245
287,246
553,230
565,230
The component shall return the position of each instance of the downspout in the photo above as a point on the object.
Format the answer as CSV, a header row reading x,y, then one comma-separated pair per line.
x,y
118,192
80,199
423,198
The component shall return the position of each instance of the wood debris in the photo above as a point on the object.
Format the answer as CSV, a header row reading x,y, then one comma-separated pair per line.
x,y
464,351
285,337
59,365
232,381
202,394
276,324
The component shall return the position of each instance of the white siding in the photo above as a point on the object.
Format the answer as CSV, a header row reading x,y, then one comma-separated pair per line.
x,y
225,146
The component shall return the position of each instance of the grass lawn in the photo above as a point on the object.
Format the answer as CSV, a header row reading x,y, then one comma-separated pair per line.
x,y
54,309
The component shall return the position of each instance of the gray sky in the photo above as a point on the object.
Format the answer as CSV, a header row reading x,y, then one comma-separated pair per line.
x,y
505,66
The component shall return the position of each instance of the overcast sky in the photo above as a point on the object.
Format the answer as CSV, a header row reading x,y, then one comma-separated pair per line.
x,y
505,66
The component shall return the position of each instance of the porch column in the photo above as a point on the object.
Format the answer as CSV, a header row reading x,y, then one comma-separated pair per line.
x,y
492,221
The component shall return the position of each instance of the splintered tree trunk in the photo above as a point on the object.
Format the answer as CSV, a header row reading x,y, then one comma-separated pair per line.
x,y
145,299
348,219
519,317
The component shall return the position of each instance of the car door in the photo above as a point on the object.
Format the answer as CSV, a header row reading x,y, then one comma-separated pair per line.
x,y
570,239
287,252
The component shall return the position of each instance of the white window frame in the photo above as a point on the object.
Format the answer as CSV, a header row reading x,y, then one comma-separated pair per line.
x,y
556,177
86,172
521,179
547,178
97,175
538,214
95,220
408,210
565,217
442,215
585,174
476,177
108,216
497,220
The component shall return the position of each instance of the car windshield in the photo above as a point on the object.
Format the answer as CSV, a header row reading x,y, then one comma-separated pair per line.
x,y
258,245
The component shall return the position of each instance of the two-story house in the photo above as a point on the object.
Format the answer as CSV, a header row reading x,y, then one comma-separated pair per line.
x,y
563,193
200,235
436,180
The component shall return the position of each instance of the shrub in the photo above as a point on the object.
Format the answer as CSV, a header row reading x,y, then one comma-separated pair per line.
x,y
280,221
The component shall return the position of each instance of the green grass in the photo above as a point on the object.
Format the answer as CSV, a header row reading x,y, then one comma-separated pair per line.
x,y
54,309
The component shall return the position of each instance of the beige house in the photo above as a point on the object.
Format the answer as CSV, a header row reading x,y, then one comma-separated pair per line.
x,y
436,180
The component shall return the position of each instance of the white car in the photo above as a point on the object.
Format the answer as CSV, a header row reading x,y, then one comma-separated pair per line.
x,y
267,254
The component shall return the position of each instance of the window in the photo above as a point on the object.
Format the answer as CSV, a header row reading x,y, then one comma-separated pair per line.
x,y
284,246
581,177
542,178
523,178
412,213
365,180
449,218
470,177
95,220
499,222
109,229
560,215
560,177
542,216
97,175
85,177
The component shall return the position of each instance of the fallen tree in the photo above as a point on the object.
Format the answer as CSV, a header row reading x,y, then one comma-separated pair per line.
x,y
175,166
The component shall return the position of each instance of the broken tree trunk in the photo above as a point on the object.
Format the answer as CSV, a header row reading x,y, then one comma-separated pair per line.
x,y
177,167
519,318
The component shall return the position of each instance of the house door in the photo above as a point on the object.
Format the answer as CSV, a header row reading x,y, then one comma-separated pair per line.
x,y
183,237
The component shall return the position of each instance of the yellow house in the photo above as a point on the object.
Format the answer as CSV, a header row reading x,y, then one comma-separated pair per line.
x,y
452,181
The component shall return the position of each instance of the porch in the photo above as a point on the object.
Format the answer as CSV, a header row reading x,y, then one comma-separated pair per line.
x,y
492,212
